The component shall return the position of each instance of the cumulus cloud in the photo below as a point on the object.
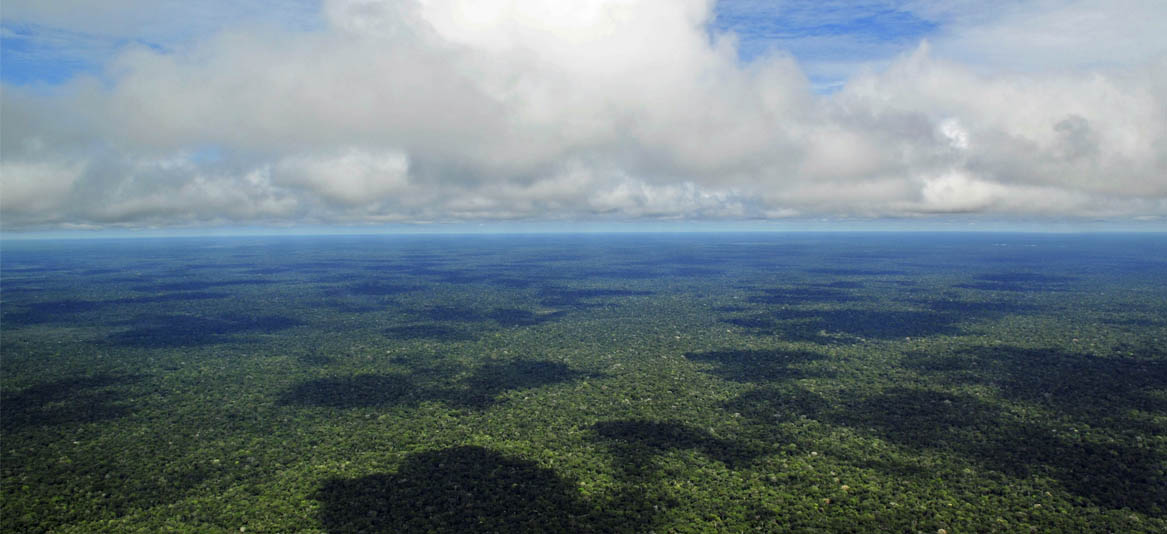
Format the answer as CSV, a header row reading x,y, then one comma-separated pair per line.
x,y
351,178
453,110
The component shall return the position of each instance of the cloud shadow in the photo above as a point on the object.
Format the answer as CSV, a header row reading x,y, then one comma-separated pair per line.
x,y
479,389
162,331
583,298
635,442
802,295
437,332
84,399
1019,282
355,391
69,310
755,365
463,490
1112,473
826,326
486,383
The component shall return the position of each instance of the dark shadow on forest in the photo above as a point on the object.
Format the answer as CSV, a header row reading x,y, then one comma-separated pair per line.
x,y
756,365
85,399
843,284
378,289
482,388
856,272
942,317
416,268
1019,282
356,304
683,260
979,308
170,297
436,332
506,317
315,358
1098,390
465,490
17,288
161,331
1141,322
198,285
453,276
49,312
635,443
802,295
355,391
697,272
322,265
583,298
512,282
436,272
267,271
95,272
41,269
553,257
449,314
216,266
66,311
1115,474
509,317
824,326
778,403
620,273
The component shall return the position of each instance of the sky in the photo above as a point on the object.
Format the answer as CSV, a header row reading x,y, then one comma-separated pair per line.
x,y
168,115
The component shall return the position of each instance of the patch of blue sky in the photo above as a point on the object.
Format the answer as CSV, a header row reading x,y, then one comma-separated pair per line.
x,y
206,154
31,54
831,39
47,48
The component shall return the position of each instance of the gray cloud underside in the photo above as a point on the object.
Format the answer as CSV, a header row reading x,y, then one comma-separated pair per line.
x,y
446,110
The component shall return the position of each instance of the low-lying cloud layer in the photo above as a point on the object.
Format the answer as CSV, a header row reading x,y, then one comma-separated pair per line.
x,y
455,110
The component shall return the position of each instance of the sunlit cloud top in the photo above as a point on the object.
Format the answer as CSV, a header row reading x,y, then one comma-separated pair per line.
x,y
133,114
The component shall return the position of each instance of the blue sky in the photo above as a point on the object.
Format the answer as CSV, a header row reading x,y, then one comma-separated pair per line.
x,y
169,115
32,54
40,44
828,38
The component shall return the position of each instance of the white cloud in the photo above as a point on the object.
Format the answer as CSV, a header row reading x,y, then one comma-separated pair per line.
x,y
956,191
156,21
431,110
350,178
35,191
1040,35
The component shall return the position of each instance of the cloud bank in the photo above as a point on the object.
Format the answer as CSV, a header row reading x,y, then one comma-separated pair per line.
x,y
481,110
